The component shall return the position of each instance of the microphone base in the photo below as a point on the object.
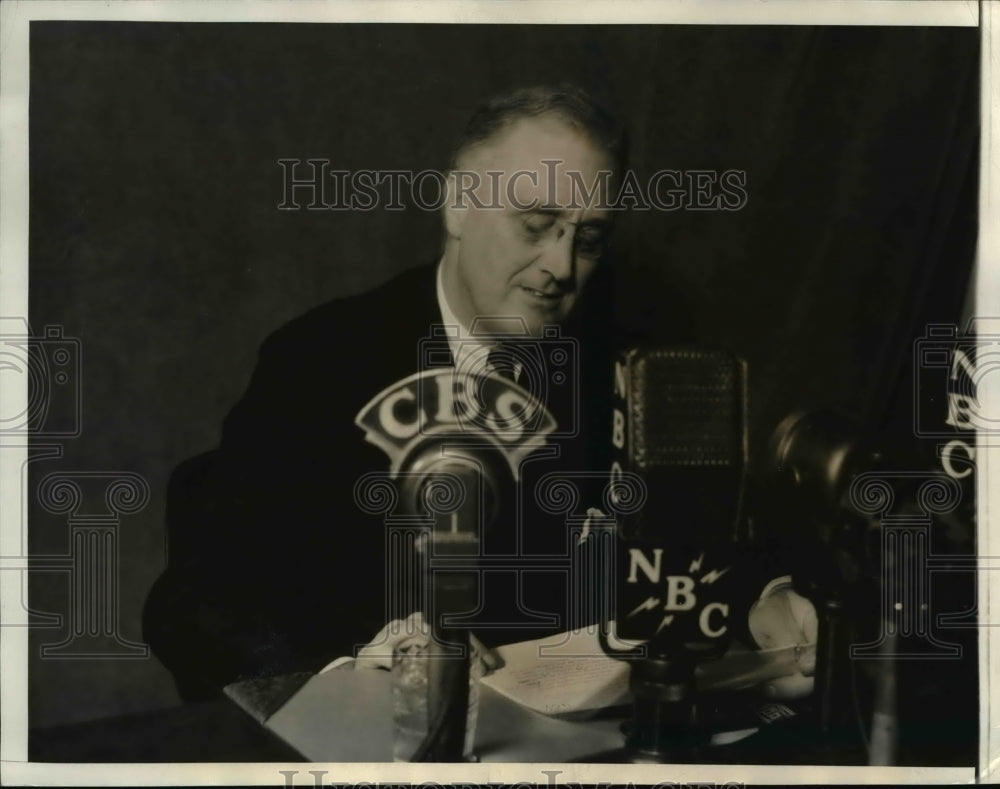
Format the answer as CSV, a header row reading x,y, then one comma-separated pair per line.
x,y
664,728
632,756
792,743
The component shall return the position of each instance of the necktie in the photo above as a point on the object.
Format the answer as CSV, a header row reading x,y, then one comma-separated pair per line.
x,y
501,360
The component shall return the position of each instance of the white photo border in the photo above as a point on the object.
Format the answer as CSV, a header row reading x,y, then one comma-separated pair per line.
x,y
15,18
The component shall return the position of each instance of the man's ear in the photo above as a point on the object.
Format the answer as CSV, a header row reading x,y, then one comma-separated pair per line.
x,y
455,209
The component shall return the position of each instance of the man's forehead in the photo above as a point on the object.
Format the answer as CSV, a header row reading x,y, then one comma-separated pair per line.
x,y
532,141
544,159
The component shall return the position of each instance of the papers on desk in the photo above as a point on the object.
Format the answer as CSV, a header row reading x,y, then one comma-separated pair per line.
x,y
742,668
568,675
564,675
531,709
346,716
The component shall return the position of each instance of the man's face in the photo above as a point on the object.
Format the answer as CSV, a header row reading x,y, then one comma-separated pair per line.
x,y
530,245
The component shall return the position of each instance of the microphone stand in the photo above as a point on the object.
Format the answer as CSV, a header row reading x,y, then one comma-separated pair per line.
x,y
450,590
664,728
816,457
448,663
833,691
832,725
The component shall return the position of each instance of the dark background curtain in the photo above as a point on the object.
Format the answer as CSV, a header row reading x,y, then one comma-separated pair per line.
x,y
156,240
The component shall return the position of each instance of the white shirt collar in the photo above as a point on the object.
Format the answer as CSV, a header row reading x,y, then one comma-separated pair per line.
x,y
461,342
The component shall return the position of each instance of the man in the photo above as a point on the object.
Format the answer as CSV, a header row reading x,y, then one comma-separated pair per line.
x,y
272,566
533,257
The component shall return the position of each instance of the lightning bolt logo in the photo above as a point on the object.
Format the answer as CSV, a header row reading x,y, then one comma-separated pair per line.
x,y
696,564
666,621
646,605
713,575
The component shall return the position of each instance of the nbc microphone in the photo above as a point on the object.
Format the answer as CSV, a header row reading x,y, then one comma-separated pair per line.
x,y
679,423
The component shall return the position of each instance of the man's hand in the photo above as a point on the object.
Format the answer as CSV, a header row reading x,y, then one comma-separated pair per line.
x,y
378,652
784,618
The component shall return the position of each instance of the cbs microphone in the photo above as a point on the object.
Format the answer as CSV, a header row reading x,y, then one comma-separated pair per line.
x,y
455,441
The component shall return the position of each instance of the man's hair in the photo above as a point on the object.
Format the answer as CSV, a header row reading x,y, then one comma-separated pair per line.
x,y
570,103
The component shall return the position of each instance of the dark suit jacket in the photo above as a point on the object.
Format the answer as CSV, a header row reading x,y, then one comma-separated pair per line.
x,y
272,566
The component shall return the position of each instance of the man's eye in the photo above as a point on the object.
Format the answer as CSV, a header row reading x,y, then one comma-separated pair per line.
x,y
537,223
591,242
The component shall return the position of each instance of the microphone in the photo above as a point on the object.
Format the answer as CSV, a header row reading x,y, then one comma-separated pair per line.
x,y
815,458
458,480
817,455
679,423
455,440
455,488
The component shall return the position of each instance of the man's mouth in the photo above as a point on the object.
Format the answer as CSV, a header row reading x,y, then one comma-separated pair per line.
x,y
551,295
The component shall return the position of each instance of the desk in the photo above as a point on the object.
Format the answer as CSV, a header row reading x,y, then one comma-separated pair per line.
x,y
219,731
211,731
346,716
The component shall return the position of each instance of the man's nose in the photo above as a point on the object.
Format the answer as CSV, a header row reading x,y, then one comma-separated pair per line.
x,y
557,259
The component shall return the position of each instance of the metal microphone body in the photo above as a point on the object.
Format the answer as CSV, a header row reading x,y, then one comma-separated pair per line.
x,y
814,458
679,423
458,484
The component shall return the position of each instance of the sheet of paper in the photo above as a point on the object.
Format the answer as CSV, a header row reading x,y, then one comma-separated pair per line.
x,y
569,674
346,716
742,668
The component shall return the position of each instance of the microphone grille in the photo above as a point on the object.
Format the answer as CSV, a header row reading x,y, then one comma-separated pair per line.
x,y
687,408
